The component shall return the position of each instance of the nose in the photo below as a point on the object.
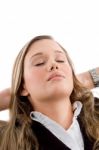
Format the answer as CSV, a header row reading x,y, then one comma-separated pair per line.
x,y
52,66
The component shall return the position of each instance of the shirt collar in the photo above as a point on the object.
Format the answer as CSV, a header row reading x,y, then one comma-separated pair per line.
x,y
38,116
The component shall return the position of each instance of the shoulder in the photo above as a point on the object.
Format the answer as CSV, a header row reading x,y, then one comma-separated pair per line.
x,y
3,125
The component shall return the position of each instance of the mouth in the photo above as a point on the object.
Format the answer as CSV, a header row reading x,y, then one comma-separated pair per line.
x,y
55,77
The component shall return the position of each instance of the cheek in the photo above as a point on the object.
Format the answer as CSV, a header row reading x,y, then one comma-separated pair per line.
x,y
38,75
68,71
34,78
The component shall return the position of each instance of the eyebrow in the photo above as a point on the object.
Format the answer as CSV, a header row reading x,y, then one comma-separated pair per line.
x,y
57,51
40,53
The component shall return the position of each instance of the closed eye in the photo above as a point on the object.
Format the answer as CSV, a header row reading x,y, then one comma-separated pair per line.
x,y
39,64
60,61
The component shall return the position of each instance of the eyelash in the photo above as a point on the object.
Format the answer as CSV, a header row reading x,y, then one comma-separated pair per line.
x,y
59,61
40,64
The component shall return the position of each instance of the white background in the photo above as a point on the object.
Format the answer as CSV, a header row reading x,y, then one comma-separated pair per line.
x,y
73,23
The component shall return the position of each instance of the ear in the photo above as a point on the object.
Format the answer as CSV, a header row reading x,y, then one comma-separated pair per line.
x,y
24,91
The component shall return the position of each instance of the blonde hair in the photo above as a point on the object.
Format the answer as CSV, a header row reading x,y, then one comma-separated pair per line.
x,y
17,133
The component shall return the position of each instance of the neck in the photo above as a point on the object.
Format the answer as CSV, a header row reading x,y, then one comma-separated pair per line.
x,y
60,111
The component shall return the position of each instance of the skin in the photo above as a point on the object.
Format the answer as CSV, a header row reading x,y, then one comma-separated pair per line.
x,y
5,96
51,97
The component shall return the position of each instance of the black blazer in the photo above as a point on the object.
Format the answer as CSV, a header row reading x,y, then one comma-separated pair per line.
x,y
47,141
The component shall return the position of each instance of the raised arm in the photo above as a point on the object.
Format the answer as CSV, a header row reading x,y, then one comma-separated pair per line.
x,y
90,78
5,99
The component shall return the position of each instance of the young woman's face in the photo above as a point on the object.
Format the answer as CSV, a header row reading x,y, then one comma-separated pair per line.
x,y
47,73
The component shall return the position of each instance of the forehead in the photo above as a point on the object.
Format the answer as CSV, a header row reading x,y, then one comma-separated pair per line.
x,y
44,46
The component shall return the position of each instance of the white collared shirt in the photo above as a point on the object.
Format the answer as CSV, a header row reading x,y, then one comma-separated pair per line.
x,y
71,137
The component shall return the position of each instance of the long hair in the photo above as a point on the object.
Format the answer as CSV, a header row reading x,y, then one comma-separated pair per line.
x,y
17,134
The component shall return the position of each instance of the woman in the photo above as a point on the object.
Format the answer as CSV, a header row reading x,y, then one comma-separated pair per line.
x,y
49,109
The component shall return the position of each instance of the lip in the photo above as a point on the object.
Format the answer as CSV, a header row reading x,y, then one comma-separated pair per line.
x,y
55,75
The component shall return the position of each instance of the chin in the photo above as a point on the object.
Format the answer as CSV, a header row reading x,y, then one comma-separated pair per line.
x,y
61,91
